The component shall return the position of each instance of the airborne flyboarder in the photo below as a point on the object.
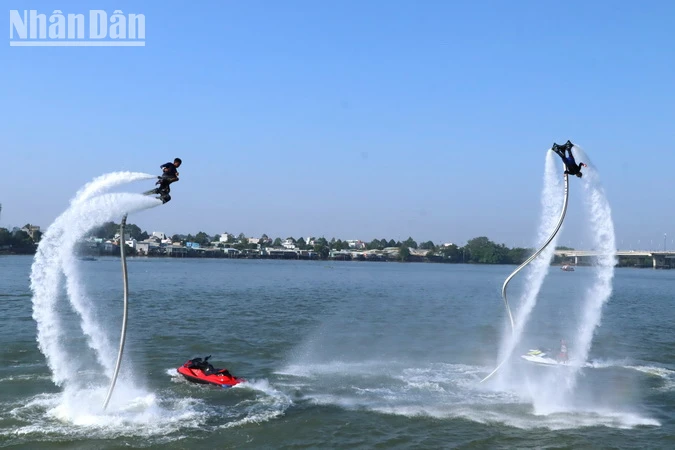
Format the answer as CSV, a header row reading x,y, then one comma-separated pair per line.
x,y
169,175
570,164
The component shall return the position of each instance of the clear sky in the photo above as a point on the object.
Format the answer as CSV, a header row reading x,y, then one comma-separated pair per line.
x,y
353,119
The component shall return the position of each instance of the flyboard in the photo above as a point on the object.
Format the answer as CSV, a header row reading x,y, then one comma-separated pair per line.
x,y
125,313
528,261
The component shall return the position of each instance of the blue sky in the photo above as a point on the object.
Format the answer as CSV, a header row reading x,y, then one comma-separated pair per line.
x,y
351,119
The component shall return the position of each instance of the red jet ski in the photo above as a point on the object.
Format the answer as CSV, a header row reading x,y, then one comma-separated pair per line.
x,y
199,370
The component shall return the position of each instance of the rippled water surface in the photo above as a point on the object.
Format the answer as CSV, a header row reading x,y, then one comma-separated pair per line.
x,y
336,354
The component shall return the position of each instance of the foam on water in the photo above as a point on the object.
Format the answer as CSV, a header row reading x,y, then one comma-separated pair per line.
x,y
438,390
78,414
269,404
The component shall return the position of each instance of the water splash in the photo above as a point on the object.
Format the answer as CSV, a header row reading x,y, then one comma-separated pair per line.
x,y
85,216
556,392
54,259
604,242
104,183
551,205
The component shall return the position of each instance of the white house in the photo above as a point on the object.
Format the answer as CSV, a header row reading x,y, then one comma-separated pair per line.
x,y
224,237
289,243
127,237
131,243
358,244
159,234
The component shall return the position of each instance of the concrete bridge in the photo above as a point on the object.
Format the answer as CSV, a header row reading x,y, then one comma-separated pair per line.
x,y
659,259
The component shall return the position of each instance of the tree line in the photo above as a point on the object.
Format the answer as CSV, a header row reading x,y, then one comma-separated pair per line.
x,y
479,250
18,241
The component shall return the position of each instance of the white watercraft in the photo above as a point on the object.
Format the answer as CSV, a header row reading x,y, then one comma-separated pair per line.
x,y
537,356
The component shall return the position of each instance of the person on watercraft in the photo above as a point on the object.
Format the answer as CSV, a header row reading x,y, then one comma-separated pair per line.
x,y
570,164
562,356
169,175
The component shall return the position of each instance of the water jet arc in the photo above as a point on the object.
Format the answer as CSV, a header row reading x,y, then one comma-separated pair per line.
x,y
124,315
528,261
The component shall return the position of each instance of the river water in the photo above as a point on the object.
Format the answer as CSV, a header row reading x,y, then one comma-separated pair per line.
x,y
337,355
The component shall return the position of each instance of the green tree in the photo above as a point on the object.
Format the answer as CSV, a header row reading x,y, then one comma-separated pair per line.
x,y
202,239
301,244
5,237
483,250
277,242
374,245
108,230
518,255
37,235
404,253
321,248
133,231
21,242
427,245
410,242
451,253
391,243
339,245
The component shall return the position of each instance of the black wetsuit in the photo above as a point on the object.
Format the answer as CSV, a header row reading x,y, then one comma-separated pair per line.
x,y
572,167
168,177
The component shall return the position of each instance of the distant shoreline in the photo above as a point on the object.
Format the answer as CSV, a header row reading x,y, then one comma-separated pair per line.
x,y
423,261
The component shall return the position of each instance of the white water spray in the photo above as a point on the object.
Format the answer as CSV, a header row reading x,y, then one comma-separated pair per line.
x,y
555,391
55,256
96,338
551,203
604,242
104,183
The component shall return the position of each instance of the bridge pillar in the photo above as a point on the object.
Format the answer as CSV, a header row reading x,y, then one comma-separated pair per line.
x,y
576,260
653,262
